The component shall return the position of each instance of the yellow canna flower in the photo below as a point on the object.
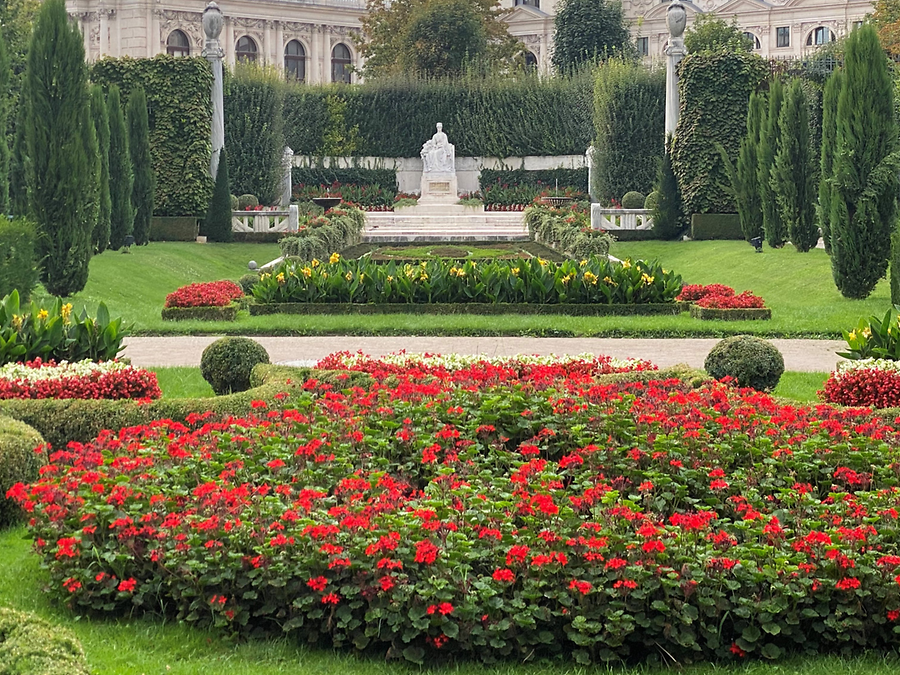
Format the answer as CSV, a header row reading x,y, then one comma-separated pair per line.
x,y
280,278
307,272
647,279
43,314
17,321
542,262
590,278
390,278
867,332
315,262
265,275
349,276
583,263
626,263
335,257
515,271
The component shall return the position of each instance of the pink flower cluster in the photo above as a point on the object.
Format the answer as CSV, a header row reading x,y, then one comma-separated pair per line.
x,y
208,294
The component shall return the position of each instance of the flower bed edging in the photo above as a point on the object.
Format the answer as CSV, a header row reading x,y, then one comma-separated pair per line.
x,y
709,313
257,309
226,313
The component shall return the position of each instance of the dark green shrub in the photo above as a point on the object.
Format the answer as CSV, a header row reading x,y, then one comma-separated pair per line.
x,y
19,463
247,201
587,30
247,282
121,175
633,200
668,217
751,361
747,192
774,228
234,202
227,362
31,646
4,114
100,114
18,260
144,189
829,140
651,201
217,225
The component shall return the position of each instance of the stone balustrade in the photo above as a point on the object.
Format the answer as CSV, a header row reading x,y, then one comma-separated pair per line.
x,y
287,220
620,219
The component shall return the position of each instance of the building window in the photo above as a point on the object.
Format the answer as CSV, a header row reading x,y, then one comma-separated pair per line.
x,y
820,36
340,64
643,46
783,36
753,40
295,61
531,3
246,49
530,61
178,44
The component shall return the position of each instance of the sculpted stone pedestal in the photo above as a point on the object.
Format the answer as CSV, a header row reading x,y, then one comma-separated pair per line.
x,y
439,187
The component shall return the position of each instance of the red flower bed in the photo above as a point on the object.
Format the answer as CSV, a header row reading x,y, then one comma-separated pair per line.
x,y
869,387
208,294
745,300
98,383
693,292
515,521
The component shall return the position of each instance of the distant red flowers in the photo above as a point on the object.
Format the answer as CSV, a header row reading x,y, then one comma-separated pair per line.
x,y
693,292
207,294
84,380
719,296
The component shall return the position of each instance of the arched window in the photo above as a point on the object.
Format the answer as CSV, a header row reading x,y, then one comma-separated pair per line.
x,y
246,49
340,64
295,61
753,40
178,44
820,36
530,61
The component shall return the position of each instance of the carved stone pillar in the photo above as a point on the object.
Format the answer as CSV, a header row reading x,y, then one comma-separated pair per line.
x,y
104,30
279,45
676,20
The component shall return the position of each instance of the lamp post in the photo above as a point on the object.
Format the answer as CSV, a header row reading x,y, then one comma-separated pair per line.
x,y
213,21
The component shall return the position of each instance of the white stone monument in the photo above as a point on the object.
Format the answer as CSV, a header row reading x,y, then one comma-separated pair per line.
x,y
439,184
287,165
213,21
676,20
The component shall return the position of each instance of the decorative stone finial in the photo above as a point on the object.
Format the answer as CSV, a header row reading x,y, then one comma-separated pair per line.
x,y
213,21
676,19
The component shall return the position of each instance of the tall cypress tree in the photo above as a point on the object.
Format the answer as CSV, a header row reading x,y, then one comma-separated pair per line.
x,y
773,227
829,139
747,193
100,113
5,205
794,174
60,169
218,217
142,195
864,196
18,171
668,215
121,180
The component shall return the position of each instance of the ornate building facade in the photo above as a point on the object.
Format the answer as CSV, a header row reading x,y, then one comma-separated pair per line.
x,y
313,40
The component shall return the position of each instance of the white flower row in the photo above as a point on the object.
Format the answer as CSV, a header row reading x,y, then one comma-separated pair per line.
x,y
460,361
867,364
61,371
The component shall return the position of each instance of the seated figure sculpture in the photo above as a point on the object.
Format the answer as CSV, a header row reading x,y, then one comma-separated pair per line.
x,y
438,154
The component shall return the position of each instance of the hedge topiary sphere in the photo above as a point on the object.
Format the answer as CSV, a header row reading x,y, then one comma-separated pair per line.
x,y
19,463
633,200
235,202
650,202
752,361
247,282
226,363
247,201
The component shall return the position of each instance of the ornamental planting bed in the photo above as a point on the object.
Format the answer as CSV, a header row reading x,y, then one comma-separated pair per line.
x,y
719,302
210,301
82,380
529,514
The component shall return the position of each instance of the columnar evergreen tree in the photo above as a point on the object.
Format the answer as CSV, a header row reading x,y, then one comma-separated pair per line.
x,y
747,193
794,174
144,182
60,169
773,227
829,138
217,225
100,113
4,111
94,168
121,214
668,217
864,197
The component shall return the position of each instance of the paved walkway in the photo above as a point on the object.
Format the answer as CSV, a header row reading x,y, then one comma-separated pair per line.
x,y
799,355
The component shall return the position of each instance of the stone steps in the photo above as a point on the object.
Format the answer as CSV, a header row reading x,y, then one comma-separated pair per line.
x,y
390,227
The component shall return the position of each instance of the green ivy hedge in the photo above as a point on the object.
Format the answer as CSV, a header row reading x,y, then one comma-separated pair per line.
x,y
179,113
320,175
18,463
715,92
31,646
542,179
629,118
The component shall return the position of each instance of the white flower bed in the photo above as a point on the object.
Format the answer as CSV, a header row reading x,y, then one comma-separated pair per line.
x,y
867,364
61,371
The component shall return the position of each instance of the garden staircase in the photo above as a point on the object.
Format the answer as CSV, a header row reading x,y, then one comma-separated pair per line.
x,y
443,223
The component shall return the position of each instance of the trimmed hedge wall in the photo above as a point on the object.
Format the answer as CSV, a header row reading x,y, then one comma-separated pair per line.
x,y
226,313
735,314
716,226
320,175
18,463
31,646
180,117
482,117
543,178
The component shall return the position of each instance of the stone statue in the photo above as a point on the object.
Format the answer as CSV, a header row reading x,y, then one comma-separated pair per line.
x,y
439,155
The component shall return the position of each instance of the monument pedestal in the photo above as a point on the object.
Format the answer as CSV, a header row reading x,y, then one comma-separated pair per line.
x,y
439,187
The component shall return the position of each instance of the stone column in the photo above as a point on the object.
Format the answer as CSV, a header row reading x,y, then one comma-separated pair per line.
x,y
229,40
104,30
676,20
212,52
153,37
279,46
86,33
325,54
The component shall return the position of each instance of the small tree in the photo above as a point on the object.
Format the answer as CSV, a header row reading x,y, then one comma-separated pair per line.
x,y
587,30
100,113
144,183
747,194
794,175
217,225
668,218
776,233
121,179
829,139
58,135
441,37
864,197
708,33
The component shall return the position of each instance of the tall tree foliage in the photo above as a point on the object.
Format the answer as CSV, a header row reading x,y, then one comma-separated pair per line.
x,y
794,174
886,19
121,178
708,33
441,38
773,227
4,112
100,114
144,182
18,171
668,215
747,194
587,30
217,226
58,135
864,197
829,138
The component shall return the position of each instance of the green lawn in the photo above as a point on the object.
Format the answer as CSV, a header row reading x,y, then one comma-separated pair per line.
x,y
798,288
182,382
801,387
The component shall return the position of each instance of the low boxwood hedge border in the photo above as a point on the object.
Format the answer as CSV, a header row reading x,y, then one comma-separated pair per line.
x,y
466,308
226,313
748,314
31,646
18,463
